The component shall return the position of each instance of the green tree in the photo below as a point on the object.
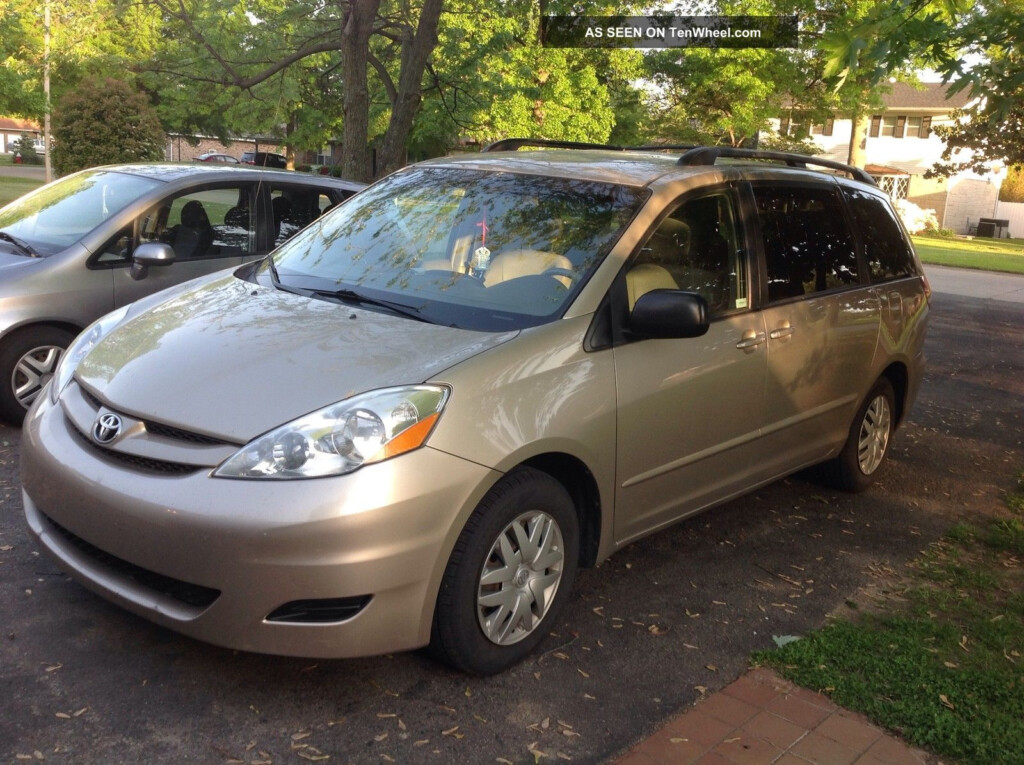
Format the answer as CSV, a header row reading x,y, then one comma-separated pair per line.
x,y
104,122
227,49
975,46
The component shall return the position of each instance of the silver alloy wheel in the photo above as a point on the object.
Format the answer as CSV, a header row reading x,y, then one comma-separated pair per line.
x,y
520,578
874,434
33,371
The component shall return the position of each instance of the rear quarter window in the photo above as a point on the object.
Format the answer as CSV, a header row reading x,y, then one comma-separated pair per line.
x,y
886,249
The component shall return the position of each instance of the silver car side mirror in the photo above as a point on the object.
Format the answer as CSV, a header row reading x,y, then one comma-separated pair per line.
x,y
150,254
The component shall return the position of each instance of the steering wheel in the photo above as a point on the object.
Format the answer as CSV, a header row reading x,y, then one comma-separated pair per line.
x,y
556,271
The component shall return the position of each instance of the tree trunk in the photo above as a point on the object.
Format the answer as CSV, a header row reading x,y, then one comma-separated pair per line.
x,y
416,49
357,27
858,139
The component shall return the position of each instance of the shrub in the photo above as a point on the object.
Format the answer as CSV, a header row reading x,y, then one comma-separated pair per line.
x,y
1012,189
104,122
914,218
25,148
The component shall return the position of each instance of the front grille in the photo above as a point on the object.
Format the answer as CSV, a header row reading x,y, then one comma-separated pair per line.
x,y
161,467
320,611
167,431
194,595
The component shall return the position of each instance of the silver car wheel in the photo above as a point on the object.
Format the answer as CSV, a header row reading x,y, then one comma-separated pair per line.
x,y
520,578
33,371
873,440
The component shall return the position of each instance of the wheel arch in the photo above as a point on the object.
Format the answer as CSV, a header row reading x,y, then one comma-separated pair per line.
x,y
579,481
898,376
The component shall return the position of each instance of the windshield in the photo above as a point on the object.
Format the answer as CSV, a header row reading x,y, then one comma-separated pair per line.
x,y
58,214
479,250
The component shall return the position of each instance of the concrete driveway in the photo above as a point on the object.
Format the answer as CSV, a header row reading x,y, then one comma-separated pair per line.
x,y
663,621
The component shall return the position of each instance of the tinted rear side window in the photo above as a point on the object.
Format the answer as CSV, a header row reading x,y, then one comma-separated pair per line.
x,y
807,244
886,250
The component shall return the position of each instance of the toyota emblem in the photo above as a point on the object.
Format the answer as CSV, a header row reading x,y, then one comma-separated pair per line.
x,y
106,428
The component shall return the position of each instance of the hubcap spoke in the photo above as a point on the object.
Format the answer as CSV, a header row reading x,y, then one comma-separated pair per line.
x,y
33,371
520,578
874,435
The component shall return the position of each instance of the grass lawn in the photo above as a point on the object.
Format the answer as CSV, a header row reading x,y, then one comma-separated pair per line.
x,y
11,188
947,670
987,254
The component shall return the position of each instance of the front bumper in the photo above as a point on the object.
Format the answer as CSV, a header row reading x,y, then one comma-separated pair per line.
x,y
247,547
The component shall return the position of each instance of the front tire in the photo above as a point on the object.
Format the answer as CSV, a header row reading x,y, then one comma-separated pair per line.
x,y
868,441
509,575
27,362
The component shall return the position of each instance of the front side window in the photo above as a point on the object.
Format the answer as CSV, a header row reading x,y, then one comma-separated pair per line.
x,y
808,247
886,250
696,249
213,223
474,249
57,215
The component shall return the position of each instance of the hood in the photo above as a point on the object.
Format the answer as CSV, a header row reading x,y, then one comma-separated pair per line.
x,y
232,359
11,260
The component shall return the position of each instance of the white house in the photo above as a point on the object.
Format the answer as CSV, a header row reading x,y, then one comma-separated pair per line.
x,y
11,130
901,146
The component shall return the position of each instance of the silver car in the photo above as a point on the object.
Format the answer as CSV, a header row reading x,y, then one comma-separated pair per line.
x,y
413,422
79,247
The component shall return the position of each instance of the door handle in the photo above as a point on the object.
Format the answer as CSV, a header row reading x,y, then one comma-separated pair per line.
x,y
750,339
785,330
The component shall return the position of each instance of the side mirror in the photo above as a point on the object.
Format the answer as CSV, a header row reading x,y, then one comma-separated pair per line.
x,y
150,254
669,314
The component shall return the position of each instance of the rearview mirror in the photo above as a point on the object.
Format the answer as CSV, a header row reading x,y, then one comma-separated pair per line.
x,y
669,313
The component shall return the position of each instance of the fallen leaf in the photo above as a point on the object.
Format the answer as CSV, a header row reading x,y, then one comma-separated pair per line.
x,y
945,701
677,740
712,667
301,735
80,712
654,629
63,715
386,715
701,689
450,731
421,742
582,672
381,737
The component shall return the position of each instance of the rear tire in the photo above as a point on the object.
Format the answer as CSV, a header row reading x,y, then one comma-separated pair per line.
x,y
868,442
509,575
28,360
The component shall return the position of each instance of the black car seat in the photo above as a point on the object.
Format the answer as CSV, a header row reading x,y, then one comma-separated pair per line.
x,y
193,238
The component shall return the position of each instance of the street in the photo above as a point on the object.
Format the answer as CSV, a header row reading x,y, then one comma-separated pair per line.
x,y
665,620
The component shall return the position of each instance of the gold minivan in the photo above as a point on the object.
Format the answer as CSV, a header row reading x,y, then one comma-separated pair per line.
x,y
416,419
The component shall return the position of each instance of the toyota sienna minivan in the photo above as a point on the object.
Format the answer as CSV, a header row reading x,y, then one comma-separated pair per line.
x,y
413,422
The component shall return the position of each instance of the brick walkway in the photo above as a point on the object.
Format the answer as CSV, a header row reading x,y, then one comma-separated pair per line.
x,y
762,718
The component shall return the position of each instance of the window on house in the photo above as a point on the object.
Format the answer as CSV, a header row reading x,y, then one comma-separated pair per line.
x,y
823,128
323,156
896,186
893,125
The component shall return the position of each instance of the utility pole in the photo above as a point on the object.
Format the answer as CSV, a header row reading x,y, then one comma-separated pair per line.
x,y
46,92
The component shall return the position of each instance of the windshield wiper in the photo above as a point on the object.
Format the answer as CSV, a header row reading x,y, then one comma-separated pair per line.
x,y
25,248
351,296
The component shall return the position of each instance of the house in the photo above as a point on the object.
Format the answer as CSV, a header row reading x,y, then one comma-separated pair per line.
x,y
12,129
901,146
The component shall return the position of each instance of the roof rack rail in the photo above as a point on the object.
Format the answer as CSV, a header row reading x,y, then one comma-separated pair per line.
x,y
514,144
706,155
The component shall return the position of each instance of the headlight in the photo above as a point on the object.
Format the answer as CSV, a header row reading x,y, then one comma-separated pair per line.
x,y
343,437
80,348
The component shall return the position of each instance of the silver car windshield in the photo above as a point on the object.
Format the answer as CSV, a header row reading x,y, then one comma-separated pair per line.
x,y
473,249
58,214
